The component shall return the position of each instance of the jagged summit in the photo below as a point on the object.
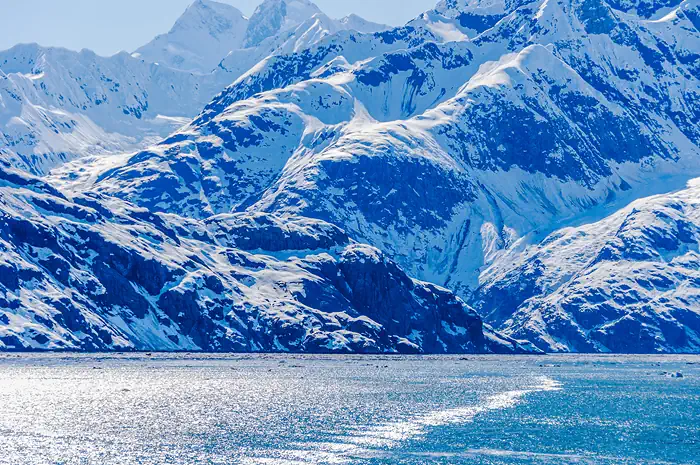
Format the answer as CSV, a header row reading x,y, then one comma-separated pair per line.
x,y
313,30
204,34
208,15
275,16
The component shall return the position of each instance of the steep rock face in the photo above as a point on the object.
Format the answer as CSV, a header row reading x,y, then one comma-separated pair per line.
x,y
429,315
627,283
200,38
91,273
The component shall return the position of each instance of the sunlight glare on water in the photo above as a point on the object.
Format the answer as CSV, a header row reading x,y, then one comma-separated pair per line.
x,y
185,409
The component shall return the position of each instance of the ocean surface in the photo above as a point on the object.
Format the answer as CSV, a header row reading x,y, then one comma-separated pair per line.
x,y
127,409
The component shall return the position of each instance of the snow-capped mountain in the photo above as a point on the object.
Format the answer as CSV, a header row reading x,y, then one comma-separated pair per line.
x,y
356,23
200,38
92,273
489,147
274,16
57,105
294,38
447,142
627,283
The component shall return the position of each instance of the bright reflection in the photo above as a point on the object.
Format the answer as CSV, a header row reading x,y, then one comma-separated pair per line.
x,y
180,409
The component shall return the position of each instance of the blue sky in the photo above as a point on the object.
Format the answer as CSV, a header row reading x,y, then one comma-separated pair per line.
x,y
108,26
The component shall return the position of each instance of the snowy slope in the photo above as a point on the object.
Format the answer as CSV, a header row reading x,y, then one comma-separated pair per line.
x,y
200,38
56,105
445,142
627,283
92,273
489,147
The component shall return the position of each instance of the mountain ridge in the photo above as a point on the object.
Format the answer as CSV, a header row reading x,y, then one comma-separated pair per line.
x,y
82,104
584,130
463,149
86,273
204,34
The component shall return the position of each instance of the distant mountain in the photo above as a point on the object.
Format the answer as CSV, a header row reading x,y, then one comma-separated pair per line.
x,y
274,16
359,24
296,39
209,32
57,105
200,38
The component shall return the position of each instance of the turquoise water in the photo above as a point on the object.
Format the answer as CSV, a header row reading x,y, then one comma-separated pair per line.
x,y
193,409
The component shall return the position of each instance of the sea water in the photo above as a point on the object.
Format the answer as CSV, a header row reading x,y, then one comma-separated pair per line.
x,y
256,409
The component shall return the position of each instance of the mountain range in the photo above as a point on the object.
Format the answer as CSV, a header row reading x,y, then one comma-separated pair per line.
x,y
494,176
57,105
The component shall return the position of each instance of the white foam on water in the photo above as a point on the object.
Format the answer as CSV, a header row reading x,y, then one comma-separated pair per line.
x,y
391,435
580,458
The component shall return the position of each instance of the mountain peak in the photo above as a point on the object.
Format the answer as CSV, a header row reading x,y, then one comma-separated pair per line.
x,y
274,16
213,17
206,32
